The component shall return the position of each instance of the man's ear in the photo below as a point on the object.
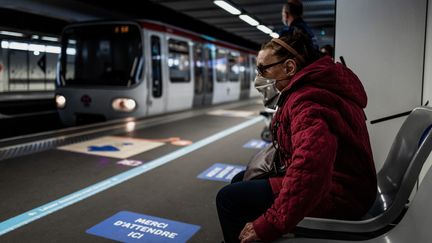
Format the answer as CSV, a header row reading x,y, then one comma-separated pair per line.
x,y
290,67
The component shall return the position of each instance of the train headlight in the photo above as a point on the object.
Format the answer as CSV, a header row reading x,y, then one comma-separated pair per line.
x,y
124,104
60,101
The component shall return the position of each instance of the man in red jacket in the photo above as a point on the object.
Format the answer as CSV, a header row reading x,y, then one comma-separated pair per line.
x,y
320,132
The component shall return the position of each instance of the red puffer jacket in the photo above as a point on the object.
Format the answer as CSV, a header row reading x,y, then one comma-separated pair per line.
x,y
324,142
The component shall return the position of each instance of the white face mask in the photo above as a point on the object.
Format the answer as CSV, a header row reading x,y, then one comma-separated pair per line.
x,y
267,88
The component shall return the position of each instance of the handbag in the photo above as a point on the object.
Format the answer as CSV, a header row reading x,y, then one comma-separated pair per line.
x,y
264,164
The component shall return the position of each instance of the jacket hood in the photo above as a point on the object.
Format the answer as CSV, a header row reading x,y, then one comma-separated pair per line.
x,y
334,77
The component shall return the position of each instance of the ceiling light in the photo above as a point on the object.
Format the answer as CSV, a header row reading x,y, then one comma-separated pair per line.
x,y
48,38
35,47
71,51
246,18
18,46
264,29
227,7
5,44
10,33
52,49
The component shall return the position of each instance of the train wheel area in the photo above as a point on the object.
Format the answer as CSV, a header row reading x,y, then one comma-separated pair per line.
x,y
150,180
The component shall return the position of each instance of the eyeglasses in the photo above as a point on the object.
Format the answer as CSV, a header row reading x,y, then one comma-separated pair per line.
x,y
261,69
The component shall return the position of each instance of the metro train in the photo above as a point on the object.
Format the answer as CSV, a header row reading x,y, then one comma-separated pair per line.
x,y
118,69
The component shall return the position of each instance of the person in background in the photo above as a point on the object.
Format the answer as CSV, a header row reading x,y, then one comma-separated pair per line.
x,y
292,18
319,130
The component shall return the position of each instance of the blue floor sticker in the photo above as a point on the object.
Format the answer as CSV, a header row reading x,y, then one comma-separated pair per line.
x,y
106,148
134,227
256,144
221,172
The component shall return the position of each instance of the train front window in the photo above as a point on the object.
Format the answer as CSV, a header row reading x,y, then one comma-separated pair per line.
x,y
109,54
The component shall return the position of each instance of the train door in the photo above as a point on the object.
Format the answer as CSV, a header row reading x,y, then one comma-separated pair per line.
x,y
208,73
157,87
180,78
234,70
227,85
203,70
244,76
199,67
252,74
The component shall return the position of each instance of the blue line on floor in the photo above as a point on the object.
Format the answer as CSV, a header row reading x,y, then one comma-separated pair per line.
x,y
44,210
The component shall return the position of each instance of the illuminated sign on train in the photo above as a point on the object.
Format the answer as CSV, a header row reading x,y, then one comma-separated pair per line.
x,y
121,29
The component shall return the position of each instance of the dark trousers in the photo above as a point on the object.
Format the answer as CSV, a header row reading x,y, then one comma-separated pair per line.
x,y
241,202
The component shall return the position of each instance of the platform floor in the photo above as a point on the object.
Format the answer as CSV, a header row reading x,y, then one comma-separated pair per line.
x,y
43,184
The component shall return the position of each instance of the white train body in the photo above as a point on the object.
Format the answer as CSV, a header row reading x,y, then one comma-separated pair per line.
x,y
125,69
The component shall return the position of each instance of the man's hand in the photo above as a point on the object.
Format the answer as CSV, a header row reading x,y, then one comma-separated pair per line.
x,y
248,234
